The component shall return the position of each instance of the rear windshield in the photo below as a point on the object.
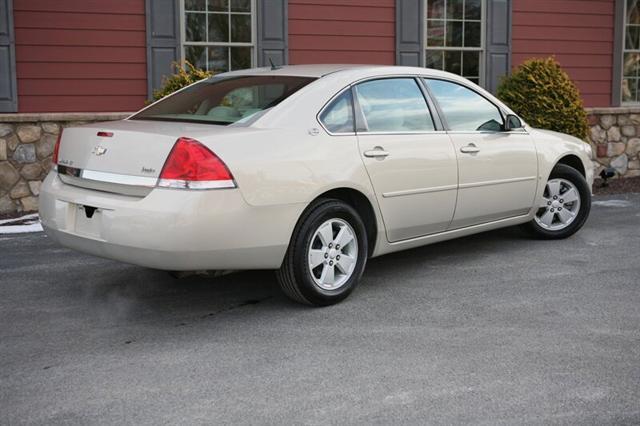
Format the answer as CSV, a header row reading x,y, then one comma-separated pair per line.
x,y
224,100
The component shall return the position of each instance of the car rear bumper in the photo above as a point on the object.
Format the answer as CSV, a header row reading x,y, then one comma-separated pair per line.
x,y
168,229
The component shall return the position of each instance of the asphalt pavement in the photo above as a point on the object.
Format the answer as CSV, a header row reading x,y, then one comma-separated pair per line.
x,y
491,329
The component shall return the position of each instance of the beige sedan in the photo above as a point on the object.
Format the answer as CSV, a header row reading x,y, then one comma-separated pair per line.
x,y
310,170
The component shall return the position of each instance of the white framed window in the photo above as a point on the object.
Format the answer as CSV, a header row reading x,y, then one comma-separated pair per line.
x,y
454,37
631,53
219,35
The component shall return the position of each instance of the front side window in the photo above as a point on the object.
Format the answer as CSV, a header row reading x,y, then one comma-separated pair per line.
x,y
454,37
224,100
338,116
463,109
631,60
393,105
218,34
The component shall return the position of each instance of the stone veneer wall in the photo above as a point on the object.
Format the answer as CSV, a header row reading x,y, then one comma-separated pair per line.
x,y
27,141
614,134
26,147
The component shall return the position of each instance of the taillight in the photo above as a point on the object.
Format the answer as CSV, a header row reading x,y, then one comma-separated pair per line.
x,y
191,165
56,149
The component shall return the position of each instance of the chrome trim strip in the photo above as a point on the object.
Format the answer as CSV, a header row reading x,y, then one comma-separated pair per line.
x,y
419,191
487,132
146,181
450,187
205,184
408,132
495,182
119,179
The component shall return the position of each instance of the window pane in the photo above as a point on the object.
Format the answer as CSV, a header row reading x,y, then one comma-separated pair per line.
x,y
218,27
454,33
452,61
471,64
435,33
197,56
631,38
473,9
241,28
394,105
454,9
218,5
633,12
338,117
240,58
435,9
241,5
218,59
435,59
194,4
464,109
472,34
195,26
631,64
224,100
629,90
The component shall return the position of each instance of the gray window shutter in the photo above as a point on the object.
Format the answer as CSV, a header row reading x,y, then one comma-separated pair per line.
x,y
163,40
410,17
498,54
618,47
273,40
8,85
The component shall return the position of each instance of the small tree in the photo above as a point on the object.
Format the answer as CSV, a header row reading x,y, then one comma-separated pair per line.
x,y
185,75
545,97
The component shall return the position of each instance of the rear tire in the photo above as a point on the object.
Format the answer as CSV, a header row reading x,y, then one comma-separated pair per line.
x,y
326,256
565,205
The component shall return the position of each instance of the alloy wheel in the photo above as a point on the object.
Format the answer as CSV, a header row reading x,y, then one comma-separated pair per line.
x,y
333,254
559,206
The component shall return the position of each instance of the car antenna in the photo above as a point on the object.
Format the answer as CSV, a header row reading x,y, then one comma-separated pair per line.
x,y
273,66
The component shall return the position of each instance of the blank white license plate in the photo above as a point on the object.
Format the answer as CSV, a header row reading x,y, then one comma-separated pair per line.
x,y
88,226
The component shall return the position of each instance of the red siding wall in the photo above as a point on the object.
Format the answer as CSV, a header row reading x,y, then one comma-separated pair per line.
x,y
80,55
342,31
579,33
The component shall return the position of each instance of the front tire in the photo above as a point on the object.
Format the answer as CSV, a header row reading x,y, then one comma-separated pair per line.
x,y
326,256
564,207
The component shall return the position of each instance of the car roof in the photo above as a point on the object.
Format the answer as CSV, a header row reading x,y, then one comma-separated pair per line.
x,y
309,70
321,70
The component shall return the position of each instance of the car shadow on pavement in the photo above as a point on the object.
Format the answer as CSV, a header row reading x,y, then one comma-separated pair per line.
x,y
129,293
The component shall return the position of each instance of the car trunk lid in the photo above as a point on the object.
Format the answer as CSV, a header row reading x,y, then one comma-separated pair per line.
x,y
124,157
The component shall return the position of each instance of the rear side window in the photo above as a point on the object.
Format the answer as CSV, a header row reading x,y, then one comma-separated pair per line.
x,y
394,105
338,116
464,109
224,100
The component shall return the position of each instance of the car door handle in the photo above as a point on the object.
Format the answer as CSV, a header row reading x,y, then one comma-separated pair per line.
x,y
376,153
470,149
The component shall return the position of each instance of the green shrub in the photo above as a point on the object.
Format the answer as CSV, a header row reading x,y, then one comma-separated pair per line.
x,y
185,75
542,94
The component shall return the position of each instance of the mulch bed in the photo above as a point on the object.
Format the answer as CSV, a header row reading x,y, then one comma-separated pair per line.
x,y
12,215
615,186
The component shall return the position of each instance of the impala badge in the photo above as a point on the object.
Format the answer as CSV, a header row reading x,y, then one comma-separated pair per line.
x,y
99,150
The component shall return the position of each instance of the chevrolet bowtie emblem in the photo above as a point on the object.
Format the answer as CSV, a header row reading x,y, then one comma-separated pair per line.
x,y
99,150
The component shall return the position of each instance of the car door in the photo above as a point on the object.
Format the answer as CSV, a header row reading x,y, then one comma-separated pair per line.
x,y
497,169
411,163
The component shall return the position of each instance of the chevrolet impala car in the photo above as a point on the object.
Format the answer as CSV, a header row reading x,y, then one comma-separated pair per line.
x,y
310,171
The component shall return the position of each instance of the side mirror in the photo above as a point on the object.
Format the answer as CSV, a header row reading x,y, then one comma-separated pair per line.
x,y
512,122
